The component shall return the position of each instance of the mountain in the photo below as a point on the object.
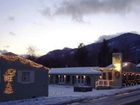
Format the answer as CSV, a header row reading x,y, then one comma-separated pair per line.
x,y
127,43
9,53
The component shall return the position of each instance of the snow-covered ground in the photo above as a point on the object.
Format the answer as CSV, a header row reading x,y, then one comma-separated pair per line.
x,y
59,94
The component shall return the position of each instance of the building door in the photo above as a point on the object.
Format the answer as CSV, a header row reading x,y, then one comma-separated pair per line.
x,y
56,79
67,79
88,80
73,80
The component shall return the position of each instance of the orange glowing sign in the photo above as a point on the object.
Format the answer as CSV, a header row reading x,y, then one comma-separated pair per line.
x,y
8,78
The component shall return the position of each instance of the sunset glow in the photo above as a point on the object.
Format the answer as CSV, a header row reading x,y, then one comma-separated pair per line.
x,y
45,25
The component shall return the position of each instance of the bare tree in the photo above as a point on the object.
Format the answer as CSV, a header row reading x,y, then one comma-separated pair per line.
x,y
31,50
31,53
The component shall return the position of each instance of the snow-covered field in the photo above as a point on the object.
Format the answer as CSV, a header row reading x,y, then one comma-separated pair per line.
x,y
59,94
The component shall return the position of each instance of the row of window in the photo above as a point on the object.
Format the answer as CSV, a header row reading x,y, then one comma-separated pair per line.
x,y
24,77
69,79
107,75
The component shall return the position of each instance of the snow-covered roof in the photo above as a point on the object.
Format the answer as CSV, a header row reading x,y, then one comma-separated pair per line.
x,y
124,64
15,58
138,65
75,70
110,66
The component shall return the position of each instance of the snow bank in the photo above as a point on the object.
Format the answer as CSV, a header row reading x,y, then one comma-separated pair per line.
x,y
60,90
59,94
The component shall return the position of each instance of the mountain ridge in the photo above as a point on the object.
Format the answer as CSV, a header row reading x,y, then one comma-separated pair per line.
x,y
125,42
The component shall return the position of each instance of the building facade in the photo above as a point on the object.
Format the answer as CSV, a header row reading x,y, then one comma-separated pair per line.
x,y
118,74
21,78
74,76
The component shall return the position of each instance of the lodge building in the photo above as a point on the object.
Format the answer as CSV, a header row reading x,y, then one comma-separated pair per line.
x,y
74,76
116,75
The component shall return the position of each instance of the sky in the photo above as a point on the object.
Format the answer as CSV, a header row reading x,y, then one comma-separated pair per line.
x,y
47,25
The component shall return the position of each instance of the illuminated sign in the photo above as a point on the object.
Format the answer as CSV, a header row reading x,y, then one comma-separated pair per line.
x,y
117,61
8,78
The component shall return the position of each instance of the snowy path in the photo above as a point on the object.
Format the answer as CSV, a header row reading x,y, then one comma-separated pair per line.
x,y
64,94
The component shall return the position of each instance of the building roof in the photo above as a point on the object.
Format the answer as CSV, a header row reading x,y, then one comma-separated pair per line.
x,y
75,70
110,66
124,64
15,58
126,67
138,65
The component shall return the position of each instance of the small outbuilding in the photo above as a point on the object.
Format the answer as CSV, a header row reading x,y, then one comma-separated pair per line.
x,y
21,78
74,76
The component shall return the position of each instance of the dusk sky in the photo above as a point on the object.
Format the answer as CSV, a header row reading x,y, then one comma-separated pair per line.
x,y
54,24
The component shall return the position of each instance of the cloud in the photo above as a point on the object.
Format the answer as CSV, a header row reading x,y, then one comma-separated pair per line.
x,y
12,33
7,46
11,18
79,8
46,11
107,37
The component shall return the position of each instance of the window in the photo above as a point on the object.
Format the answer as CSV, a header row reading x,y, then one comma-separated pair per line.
x,y
26,77
104,75
110,75
68,79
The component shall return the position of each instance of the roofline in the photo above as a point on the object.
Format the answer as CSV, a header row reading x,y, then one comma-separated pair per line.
x,y
74,73
22,60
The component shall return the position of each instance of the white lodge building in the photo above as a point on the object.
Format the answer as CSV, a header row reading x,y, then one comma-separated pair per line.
x,y
74,76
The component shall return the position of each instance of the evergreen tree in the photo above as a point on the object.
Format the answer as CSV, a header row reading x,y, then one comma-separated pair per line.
x,y
81,55
104,55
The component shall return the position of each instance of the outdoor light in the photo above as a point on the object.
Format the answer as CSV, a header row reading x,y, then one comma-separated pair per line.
x,y
84,76
117,61
8,78
125,64
117,67
100,77
22,60
8,89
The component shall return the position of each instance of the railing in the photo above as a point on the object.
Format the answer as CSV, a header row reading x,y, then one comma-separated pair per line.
x,y
104,83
